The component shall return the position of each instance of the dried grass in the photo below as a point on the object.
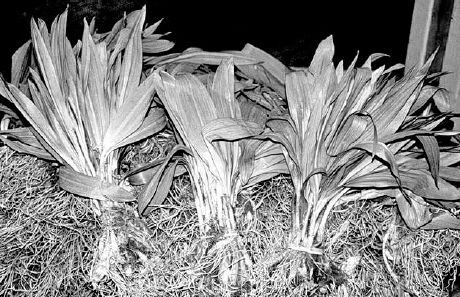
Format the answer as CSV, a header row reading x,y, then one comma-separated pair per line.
x,y
385,258
48,236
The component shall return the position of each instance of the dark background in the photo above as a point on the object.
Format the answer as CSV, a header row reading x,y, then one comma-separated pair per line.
x,y
288,29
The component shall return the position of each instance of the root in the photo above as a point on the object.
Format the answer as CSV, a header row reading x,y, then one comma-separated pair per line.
x,y
225,259
306,271
125,249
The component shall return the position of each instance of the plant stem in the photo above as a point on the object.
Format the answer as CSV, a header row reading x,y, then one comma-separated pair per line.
x,y
319,229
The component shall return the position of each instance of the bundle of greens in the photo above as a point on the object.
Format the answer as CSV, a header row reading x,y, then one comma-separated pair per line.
x,y
84,104
342,134
359,134
204,115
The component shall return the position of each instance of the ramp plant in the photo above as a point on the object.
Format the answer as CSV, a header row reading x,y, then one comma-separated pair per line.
x,y
205,114
355,134
84,104
347,134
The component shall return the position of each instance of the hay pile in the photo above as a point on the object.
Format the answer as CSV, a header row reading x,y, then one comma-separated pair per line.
x,y
48,236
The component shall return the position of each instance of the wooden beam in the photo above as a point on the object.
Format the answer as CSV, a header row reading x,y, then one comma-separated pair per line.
x,y
451,62
436,26
419,33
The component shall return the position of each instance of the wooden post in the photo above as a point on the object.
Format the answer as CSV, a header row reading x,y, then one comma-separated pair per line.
x,y
436,25
419,33
451,62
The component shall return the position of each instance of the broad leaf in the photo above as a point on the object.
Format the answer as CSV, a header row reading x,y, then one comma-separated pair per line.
x,y
418,181
383,152
431,148
416,213
155,46
160,184
24,148
270,72
156,190
443,220
24,135
92,187
203,57
147,171
20,64
154,122
440,97
230,129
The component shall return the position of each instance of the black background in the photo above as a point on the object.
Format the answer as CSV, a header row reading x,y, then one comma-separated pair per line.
x,y
291,30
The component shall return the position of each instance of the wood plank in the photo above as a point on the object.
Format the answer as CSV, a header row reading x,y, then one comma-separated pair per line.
x,y
451,61
419,33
